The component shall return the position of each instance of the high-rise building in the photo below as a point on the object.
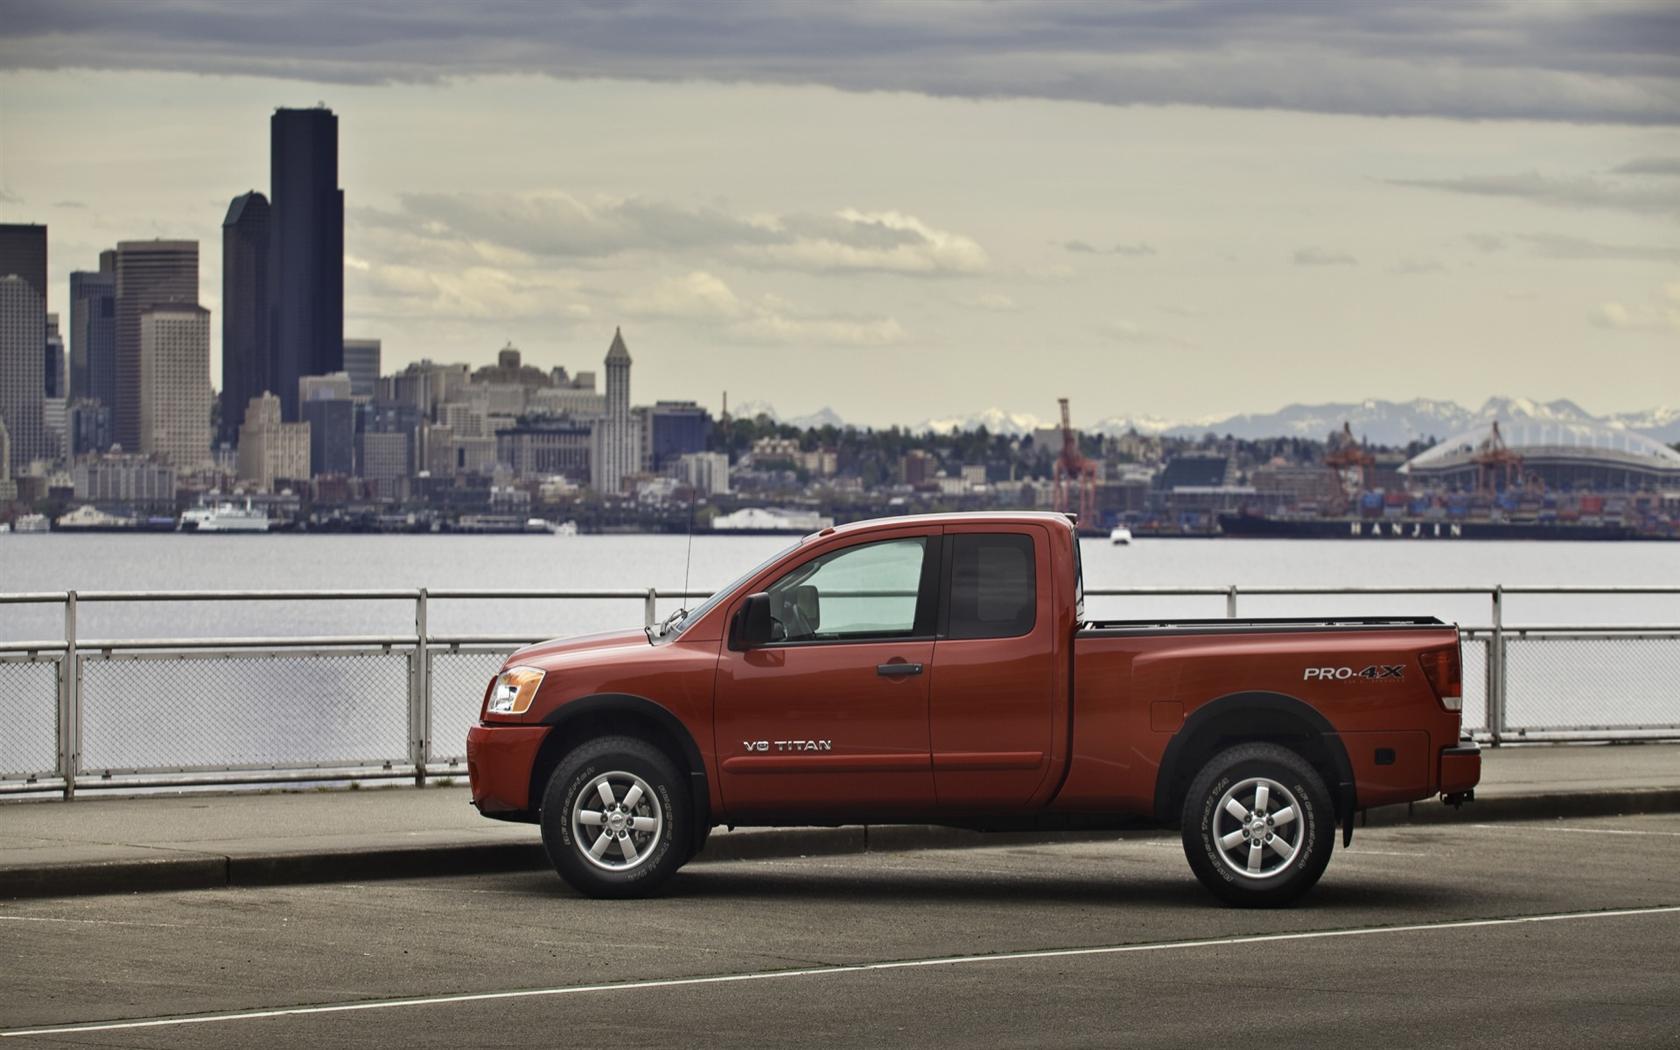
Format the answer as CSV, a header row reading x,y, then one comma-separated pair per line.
x,y
271,450
87,427
617,453
23,251
22,381
8,487
175,384
326,405
149,273
361,361
671,429
93,332
245,314
306,250
53,365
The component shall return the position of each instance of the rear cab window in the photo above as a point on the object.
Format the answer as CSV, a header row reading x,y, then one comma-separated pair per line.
x,y
993,585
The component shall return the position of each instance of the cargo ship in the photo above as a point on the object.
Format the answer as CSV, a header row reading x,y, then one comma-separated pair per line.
x,y
1254,526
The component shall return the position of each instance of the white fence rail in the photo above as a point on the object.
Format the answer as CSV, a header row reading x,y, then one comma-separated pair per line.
x,y
84,713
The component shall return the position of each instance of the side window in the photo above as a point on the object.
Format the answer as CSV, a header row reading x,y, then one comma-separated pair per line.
x,y
994,585
867,591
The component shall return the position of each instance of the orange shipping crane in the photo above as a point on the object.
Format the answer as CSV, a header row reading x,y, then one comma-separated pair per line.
x,y
1351,463
1072,465
1496,463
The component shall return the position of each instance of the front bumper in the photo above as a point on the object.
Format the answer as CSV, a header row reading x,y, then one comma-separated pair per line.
x,y
499,760
1461,768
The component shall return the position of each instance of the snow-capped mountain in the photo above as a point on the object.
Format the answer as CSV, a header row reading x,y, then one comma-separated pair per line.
x,y
1393,423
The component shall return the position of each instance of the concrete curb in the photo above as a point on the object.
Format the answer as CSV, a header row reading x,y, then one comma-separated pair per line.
x,y
183,870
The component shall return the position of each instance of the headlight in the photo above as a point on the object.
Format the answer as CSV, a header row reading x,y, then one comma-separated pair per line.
x,y
514,690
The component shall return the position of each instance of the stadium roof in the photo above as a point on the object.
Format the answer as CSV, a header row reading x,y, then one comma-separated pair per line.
x,y
1542,438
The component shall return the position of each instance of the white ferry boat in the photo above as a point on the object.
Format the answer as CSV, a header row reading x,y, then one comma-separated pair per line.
x,y
30,523
88,518
225,517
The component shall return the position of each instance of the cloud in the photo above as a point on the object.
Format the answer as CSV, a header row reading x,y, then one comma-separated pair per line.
x,y
1417,267
1661,314
1488,242
401,290
1127,331
1649,166
1322,257
555,225
1557,246
996,302
1136,248
69,204
1571,192
8,197
1605,61
703,298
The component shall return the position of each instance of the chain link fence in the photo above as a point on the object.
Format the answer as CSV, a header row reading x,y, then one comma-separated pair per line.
x,y
155,711
1572,683
29,686
182,712
458,677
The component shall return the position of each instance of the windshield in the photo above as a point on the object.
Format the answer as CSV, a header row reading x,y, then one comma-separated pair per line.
x,y
695,614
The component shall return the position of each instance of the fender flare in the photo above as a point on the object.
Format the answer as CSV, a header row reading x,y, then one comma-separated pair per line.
x,y
641,706
1343,791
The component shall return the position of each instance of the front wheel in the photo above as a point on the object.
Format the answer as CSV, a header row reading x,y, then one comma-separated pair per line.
x,y
613,817
1258,825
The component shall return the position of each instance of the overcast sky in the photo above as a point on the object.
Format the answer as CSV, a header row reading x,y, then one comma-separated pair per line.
x,y
920,209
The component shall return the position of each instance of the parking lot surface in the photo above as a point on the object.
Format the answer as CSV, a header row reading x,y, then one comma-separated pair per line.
x,y
1521,934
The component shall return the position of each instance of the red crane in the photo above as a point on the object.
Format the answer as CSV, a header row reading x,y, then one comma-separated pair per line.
x,y
1351,464
1072,464
1496,462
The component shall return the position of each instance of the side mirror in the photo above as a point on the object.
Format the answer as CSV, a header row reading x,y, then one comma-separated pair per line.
x,y
751,627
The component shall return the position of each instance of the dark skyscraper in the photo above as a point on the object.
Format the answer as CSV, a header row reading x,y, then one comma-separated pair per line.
x,y
93,332
245,356
306,250
23,251
149,273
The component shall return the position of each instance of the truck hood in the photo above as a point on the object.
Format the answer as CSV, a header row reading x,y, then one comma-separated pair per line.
x,y
543,652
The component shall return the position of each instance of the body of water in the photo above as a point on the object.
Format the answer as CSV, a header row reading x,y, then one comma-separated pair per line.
x,y
55,562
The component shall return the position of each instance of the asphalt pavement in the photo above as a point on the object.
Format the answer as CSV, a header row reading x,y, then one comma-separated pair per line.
x,y
1529,934
100,844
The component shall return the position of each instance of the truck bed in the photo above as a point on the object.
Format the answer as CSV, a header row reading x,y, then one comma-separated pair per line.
x,y
1270,624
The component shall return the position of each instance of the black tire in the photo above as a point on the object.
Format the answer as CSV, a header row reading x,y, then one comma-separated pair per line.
x,y
1265,867
661,809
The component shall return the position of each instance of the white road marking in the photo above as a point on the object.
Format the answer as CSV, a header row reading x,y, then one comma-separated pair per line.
x,y
831,971
1577,831
92,922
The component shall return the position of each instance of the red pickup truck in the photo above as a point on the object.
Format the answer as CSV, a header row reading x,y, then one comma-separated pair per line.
x,y
940,670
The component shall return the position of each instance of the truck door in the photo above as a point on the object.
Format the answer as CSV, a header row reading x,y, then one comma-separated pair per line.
x,y
832,715
991,706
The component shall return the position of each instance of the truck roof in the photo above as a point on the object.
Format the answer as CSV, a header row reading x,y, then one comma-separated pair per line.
x,y
976,517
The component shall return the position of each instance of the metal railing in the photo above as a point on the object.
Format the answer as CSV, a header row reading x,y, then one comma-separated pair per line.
x,y
80,712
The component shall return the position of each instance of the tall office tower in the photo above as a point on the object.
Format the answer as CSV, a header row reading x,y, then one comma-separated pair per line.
x,y
22,382
8,487
175,384
361,360
23,251
325,404
245,357
149,273
617,452
306,250
53,379
93,332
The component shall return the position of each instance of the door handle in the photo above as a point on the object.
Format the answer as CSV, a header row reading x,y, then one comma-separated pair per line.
x,y
897,669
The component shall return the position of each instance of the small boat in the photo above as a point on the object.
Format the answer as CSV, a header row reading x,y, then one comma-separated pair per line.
x,y
225,517
566,528
88,518
1120,536
30,523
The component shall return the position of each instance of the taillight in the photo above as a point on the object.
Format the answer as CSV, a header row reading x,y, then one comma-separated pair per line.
x,y
1443,669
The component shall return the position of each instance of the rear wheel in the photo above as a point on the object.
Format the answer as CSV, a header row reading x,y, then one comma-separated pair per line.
x,y
1258,825
614,816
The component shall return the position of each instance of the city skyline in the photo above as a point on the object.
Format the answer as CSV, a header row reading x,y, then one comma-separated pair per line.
x,y
1173,252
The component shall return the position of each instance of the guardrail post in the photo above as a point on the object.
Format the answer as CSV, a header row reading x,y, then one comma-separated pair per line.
x,y
69,703
1231,602
650,608
1496,669
420,697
